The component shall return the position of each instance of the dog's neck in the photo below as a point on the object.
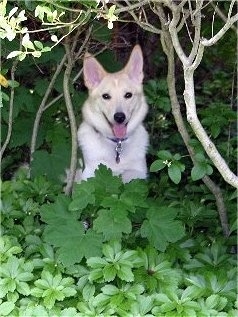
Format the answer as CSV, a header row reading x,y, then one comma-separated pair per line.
x,y
118,148
116,140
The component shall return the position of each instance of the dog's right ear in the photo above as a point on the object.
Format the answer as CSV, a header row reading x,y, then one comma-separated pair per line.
x,y
93,71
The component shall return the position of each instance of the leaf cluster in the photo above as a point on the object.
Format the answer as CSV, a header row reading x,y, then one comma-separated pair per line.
x,y
62,259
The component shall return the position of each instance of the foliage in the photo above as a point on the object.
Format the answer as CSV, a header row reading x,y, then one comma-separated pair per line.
x,y
146,248
59,257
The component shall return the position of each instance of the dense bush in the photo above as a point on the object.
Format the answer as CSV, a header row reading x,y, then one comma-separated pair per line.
x,y
113,250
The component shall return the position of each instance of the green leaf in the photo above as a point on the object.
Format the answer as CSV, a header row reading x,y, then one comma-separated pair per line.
x,y
109,272
160,227
13,83
125,273
83,196
96,262
14,54
57,213
88,291
38,44
165,155
110,290
105,182
23,288
157,166
6,308
68,234
198,171
68,253
112,224
209,169
174,173
56,162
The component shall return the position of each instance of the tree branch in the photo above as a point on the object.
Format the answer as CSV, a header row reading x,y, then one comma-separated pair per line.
x,y
189,97
219,35
43,107
197,25
208,145
72,120
10,116
169,51
222,15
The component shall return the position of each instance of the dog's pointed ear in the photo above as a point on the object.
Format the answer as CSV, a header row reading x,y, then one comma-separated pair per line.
x,y
93,71
134,67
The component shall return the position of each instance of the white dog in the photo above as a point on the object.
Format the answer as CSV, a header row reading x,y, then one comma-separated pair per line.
x,y
112,132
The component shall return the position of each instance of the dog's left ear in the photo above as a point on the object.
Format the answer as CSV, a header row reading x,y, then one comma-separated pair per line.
x,y
134,67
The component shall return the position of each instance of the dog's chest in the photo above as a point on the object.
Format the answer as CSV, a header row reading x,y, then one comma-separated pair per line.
x,y
98,149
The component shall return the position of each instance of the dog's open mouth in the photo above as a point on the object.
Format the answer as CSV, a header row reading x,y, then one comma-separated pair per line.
x,y
119,130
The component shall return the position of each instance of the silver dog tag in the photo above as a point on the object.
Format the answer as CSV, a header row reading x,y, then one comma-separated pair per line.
x,y
118,150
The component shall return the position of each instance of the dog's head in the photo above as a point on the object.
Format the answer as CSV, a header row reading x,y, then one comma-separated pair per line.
x,y
116,103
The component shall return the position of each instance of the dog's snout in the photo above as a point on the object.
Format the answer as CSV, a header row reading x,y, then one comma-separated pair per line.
x,y
119,117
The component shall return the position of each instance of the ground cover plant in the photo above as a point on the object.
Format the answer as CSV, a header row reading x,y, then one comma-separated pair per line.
x,y
161,247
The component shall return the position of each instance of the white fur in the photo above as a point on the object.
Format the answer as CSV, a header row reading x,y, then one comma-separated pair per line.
x,y
95,132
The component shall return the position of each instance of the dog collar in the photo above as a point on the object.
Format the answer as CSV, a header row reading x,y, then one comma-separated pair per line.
x,y
116,140
118,148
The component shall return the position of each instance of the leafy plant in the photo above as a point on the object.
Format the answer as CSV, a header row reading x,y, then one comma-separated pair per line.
x,y
174,166
59,267
53,288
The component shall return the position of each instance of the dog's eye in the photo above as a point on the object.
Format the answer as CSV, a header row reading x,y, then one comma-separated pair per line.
x,y
128,95
106,96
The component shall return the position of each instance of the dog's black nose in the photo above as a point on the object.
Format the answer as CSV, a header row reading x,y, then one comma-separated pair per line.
x,y
119,117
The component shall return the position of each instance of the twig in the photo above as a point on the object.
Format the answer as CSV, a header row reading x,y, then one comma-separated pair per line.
x,y
86,39
174,35
42,106
222,31
222,15
10,116
197,35
131,7
72,120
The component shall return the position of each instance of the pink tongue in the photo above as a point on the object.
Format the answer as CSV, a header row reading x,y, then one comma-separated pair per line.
x,y
119,130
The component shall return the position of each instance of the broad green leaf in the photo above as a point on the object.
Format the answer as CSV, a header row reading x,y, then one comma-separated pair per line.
x,y
57,213
83,195
165,155
73,242
56,162
68,234
110,290
6,308
125,273
198,171
174,173
157,166
88,291
105,182
112,224
69,291
37,292
14,54
38,44
134,194
23,288
160,227
96,262
13,83
209,169
109,272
